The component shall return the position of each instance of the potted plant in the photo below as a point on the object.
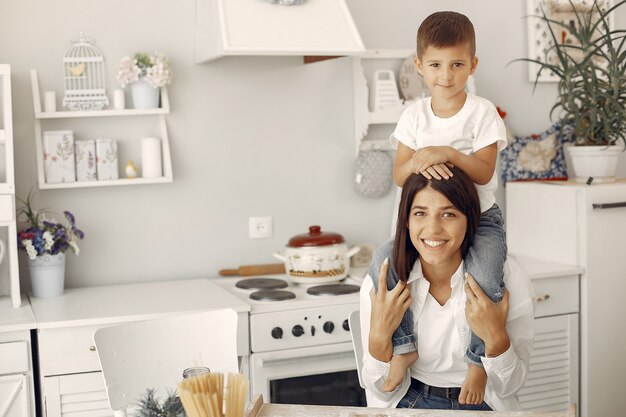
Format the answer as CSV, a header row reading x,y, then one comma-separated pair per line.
x,y
589,60
45,241
145,74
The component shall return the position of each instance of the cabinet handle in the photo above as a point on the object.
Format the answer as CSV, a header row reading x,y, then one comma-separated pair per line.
x,y
542,298
92,348
601,206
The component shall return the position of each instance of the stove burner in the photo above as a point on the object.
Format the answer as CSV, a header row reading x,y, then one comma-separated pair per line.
x,y
333,289
261,284
272,295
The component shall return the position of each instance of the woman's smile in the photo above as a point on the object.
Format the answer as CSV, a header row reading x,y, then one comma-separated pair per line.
x,y
433,243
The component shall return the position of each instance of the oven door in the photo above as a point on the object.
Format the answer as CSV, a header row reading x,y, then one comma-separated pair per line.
x,y
319,375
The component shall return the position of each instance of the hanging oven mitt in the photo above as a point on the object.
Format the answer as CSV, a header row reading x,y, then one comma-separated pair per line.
x,y
373,174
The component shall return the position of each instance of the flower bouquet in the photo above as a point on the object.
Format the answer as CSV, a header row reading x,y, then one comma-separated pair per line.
x,y
46,236
45,241
155,69
145,74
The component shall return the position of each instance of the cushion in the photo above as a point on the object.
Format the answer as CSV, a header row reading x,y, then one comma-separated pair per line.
x,y
535,157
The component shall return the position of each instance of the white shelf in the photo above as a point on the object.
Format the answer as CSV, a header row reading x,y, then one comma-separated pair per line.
x,y
106,183
363,117
43,116
101,113
2,136
386,116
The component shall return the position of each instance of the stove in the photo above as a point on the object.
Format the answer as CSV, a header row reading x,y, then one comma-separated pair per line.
x,y
300,341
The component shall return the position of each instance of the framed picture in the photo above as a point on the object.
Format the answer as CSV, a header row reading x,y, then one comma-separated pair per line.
x,y
539,37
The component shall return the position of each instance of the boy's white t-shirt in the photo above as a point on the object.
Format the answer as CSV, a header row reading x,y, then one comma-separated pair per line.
x,y
472,128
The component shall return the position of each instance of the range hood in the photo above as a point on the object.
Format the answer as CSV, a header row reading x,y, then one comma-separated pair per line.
x,y
316,28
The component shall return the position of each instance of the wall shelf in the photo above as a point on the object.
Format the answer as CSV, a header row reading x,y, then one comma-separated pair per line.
x,y
363,116
41,117
105,183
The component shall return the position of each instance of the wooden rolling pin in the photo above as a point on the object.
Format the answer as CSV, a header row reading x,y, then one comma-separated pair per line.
x,y
249,270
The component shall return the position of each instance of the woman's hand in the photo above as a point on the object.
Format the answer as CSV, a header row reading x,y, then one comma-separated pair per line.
x,y
486,318
388,307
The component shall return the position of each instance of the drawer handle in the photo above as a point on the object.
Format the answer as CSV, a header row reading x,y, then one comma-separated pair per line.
x,y
608,205
542,298
92,348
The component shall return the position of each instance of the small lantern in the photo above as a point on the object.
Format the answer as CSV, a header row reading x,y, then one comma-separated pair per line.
x,y
84,76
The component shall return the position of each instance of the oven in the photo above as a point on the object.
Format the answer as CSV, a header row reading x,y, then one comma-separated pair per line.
x,y
301,347
320,375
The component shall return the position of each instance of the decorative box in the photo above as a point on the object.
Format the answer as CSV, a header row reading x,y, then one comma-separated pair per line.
x,y
85,151
58,156
106,156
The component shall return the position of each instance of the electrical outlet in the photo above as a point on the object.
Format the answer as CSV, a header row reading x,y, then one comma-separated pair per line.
x,y
259,227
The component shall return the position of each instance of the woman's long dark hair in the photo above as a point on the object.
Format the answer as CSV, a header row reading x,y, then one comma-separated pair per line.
x,y
461,192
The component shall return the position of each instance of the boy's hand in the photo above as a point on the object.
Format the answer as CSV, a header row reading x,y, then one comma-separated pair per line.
x,y
432,162
437,171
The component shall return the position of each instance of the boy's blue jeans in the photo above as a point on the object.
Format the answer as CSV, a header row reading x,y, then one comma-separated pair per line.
x,y
484,261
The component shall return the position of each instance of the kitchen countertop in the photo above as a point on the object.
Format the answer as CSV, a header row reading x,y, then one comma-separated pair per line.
x,y
15,319
538,269
143,301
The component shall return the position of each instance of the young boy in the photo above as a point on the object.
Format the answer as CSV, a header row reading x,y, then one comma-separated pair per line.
x,y
451,127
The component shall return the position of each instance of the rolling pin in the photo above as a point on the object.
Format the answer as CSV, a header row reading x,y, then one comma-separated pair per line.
x,y
249,270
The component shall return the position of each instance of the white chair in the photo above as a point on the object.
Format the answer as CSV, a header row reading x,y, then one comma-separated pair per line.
x,y
152,354
355,331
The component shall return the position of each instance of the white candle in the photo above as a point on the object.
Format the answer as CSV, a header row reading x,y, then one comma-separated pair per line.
x,y
151,158
118,100
50,101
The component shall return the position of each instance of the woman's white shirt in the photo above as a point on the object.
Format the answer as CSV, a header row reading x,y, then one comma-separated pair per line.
x,y
506,373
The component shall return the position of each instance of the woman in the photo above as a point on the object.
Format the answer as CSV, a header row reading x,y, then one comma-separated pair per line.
x,y
436,222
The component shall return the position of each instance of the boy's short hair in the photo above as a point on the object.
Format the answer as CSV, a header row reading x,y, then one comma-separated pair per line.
x,y
444,30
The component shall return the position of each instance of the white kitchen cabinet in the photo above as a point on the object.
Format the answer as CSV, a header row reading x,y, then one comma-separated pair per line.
x,y
17,394
93,116
14,396
552,383
9,270
69,369
582,225
368,136
76,394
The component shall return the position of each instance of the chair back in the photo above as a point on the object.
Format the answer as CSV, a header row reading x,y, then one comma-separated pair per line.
x,y
355,331
152,354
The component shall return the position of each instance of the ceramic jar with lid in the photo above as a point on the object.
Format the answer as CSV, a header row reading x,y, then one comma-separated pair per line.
x,y
317,257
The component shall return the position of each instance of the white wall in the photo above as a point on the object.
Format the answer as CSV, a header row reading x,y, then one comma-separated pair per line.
x,y
249,136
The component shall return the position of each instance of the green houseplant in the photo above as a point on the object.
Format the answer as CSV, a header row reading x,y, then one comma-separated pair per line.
x,y
589,60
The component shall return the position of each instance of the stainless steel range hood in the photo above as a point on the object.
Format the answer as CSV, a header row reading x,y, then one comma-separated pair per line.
x,y
258,27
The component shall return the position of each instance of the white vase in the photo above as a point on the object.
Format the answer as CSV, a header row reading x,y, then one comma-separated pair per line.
x,y
145,96
47,275
597,162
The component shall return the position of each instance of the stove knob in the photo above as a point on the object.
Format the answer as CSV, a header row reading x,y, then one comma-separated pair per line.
x,y
329,327
346,325
277,333
297,330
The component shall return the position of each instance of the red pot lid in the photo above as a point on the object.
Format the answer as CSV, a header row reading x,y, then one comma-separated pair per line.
x,y
315,237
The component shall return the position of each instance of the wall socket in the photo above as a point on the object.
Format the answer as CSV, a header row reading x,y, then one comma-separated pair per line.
x,y
260,227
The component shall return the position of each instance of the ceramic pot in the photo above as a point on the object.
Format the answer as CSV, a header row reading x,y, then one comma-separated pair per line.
x,y
145,96
317,257
598,162
47,275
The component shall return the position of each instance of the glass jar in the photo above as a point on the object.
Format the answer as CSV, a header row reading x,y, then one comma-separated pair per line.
x,y
195,371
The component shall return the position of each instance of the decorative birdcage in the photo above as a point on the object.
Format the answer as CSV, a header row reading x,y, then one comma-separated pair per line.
x,y
84,76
